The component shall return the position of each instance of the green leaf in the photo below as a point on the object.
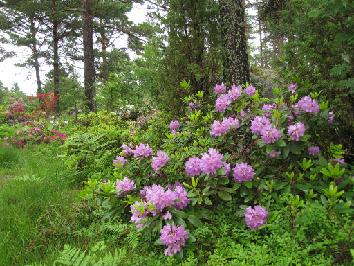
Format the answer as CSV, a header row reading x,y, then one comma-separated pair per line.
x,y
194,220
224,195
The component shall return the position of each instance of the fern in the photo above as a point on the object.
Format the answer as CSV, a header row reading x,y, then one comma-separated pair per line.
x,y
71,256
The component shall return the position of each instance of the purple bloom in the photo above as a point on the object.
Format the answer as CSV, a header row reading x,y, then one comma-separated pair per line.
x,y
243,113
182,199
256,216
227,169
119,161
296,131
159,161
142,150
292,87
221,128
167,216
235,92
127,151
211,161
308,105
174,126
218,129
192,166
331,117
250,90
222,103
270,135
231,122
243,172
219,88
124,186
339,160
159,197
267,108
260,123
174,237
314,150
274,154
139,213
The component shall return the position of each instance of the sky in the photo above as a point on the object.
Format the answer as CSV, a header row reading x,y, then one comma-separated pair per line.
x,y
25,77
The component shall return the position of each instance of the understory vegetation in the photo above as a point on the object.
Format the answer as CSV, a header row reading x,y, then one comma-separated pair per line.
x,y
220,134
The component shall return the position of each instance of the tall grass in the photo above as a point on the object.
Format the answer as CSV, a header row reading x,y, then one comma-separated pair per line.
x,y
36,214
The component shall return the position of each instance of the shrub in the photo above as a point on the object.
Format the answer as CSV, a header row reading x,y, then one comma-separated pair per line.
x,y
245,149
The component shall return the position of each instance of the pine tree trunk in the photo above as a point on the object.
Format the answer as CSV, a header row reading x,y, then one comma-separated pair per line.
x,y
35,54
236,66
89,64
56,74
104,42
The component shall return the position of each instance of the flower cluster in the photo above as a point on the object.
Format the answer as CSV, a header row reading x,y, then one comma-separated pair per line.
x,y
209,163
174,126
262,125
219,88
142,150
256,216
222,103
267,108
155,199
127,151
314,150
174,237
250,90
159,161
296,131
119,161
124,186
221,128
235,92
243,172
307,105
292,87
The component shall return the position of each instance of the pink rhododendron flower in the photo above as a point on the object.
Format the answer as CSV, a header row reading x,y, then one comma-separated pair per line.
x,y
221,128
296,131
124,186
182,199
174,126
256,216
220,88
211,161
139,213
243,172
270,135
313,150
227,169
174,237
167,216
308,105
250,90
222,103
142,151
119,161
292,87
192,167
127,151
159,161
260,123
235,92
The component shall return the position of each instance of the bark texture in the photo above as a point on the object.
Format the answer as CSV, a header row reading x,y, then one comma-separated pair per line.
x,y
89,64
236,65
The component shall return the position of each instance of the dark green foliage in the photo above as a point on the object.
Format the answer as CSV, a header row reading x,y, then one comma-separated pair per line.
x,y
318,53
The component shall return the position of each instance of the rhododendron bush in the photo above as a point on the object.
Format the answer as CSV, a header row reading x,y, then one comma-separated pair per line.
x,y
240,148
